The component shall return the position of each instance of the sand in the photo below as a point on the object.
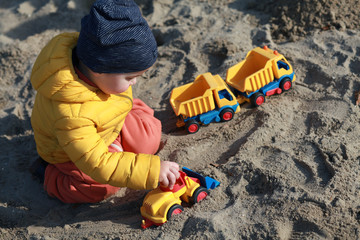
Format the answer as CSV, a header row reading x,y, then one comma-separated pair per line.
x,y
289,169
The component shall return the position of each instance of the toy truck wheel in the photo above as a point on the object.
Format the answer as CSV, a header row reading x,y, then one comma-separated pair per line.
x,y
226,115
285,84
174,210
257,99
192,126
199,194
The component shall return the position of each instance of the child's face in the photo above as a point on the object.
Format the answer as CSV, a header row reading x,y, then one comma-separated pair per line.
x,y
113,83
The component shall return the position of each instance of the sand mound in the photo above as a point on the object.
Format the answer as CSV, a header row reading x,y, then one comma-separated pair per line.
x,y
293,19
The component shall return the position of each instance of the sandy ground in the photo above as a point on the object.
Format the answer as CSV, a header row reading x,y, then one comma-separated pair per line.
x,y
289,169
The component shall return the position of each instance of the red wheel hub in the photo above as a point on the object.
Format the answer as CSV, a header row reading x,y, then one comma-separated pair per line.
x,y
193,128
227,116
287,85
201,196
260,100
176,211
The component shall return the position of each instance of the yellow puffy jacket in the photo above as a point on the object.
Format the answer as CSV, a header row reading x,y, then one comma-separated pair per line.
x,y
73,121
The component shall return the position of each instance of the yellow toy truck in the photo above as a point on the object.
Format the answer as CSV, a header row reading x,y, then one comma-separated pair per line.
x,y
162,203
263,72
207,99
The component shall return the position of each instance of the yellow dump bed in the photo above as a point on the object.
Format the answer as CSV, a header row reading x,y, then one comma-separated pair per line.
x,y
197,97
254,72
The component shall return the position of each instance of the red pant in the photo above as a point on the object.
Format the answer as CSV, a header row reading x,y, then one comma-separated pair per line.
x,y
67,183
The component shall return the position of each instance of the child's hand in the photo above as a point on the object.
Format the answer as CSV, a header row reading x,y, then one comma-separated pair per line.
x,y
169,172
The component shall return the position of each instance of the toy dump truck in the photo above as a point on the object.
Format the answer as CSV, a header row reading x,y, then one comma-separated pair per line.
x,y
207,99
263,72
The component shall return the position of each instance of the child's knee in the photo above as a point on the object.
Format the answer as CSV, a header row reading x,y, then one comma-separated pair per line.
x,y
70,189
141,133
142,139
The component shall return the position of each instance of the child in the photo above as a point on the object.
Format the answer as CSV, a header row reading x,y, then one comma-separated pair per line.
x,y
94,136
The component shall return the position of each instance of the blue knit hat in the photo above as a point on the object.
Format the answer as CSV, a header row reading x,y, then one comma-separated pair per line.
x,y
115,38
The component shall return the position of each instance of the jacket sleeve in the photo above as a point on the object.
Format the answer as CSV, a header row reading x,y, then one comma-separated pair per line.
x,y
84,146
